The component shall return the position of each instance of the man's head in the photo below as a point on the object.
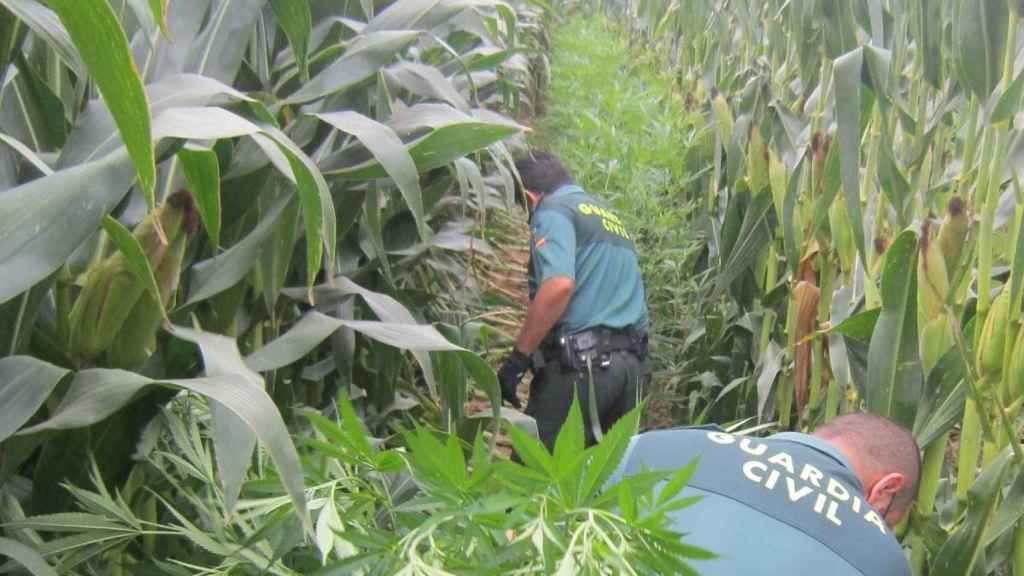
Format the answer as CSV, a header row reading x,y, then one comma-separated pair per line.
x,y
541,174
884,456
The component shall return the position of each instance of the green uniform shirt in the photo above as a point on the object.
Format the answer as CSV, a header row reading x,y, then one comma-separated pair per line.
x,y
575,236
788,504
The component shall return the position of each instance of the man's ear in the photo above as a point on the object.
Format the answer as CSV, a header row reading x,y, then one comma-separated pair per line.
x,y
532,198
885,489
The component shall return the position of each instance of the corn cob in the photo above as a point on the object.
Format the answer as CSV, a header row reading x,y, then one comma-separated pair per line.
x,y
990,347
806,296
968,452
1013,375
757,161
932,279
953,233
723,117
842,236
819,154
136,341
936,339
110,290
881,245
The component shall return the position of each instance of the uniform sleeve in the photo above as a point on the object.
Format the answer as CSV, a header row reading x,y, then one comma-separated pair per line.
x,y
553,243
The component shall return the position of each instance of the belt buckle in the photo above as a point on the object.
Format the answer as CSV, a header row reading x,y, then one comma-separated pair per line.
x,y
585,340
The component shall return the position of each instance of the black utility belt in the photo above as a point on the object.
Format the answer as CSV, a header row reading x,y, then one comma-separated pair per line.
x,y
591,347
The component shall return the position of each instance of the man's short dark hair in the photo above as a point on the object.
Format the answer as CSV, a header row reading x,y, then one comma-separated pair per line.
x,y
881,443
542,172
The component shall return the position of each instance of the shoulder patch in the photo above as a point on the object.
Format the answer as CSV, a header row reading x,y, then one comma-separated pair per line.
x,y
539,242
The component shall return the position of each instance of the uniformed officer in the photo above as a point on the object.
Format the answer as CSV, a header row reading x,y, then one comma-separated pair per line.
x,y
587,318
792,503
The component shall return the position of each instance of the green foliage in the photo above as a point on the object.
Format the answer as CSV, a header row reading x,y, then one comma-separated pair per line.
x,y
323,145
434,505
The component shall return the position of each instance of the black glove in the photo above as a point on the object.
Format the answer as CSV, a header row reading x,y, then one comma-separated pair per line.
x,y
509,375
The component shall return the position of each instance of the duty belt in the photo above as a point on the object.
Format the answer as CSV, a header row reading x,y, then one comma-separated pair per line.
x,y
595,345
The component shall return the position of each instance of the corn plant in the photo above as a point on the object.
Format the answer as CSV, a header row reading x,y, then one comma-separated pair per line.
x,y
257,202
865,216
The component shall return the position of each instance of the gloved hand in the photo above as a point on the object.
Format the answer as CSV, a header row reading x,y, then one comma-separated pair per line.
x,y
509,375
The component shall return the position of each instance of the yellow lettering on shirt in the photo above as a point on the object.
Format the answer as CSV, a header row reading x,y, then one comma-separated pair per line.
x,y
615,228
802,484
609,221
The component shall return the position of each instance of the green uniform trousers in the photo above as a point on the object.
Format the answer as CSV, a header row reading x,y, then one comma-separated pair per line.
x,y
618,388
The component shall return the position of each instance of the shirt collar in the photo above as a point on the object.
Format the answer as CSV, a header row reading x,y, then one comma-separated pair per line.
x,y
560,191
567,189
816,443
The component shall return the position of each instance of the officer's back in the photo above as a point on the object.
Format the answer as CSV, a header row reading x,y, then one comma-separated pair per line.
x,y
789,504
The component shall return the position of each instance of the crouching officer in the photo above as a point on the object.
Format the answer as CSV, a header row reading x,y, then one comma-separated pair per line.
x,y
587,319
793,504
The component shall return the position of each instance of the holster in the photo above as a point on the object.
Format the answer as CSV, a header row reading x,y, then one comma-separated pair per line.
x,y
592,347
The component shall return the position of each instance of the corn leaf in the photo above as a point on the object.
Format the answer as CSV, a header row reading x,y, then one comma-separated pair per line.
x,y
46,24
426,81
27,153
789,227
225,270
297,22
317,206
129,245
894,184
981,35
293,345
847,79
370,52
894,370
943,403
1008,102
958,555
389,151
233,437
102,44
25,383
1017,271
452,134
26,556
49,218
1010,511
751,240
95,394
276,260
203,174
18,317
159,9
217,51
929,38
95,133
769,367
